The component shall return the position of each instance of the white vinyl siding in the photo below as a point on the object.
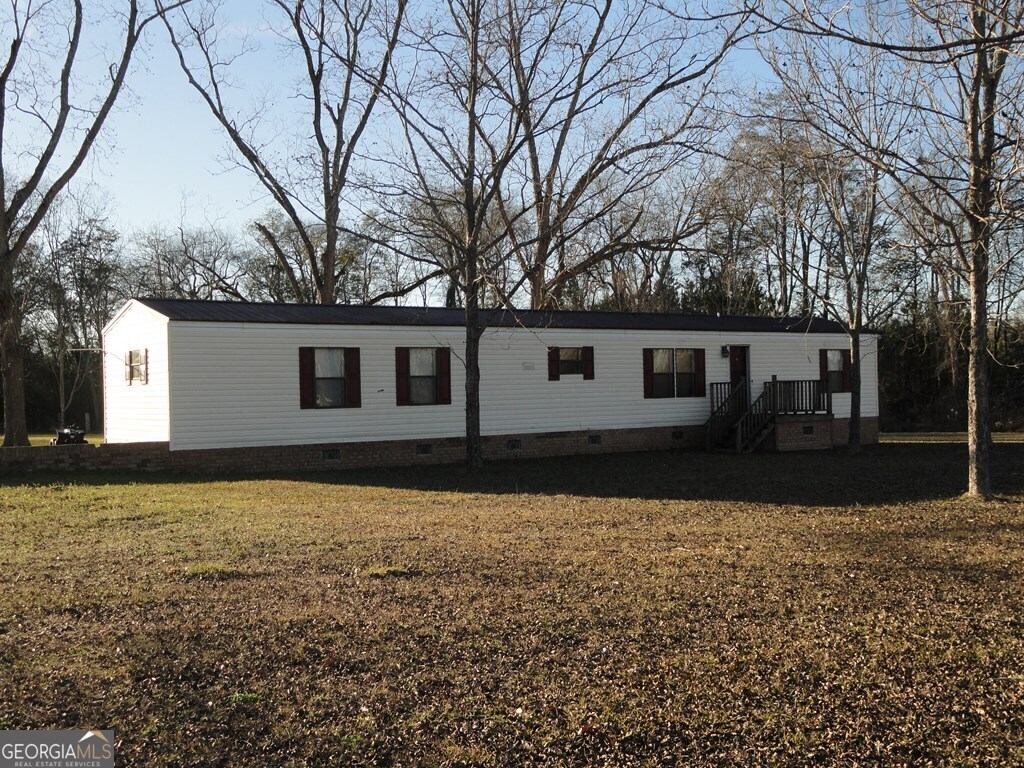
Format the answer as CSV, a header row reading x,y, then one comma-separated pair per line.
x,y
237,384
136,411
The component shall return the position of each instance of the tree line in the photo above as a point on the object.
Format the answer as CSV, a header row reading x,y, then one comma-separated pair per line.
x,y
570,155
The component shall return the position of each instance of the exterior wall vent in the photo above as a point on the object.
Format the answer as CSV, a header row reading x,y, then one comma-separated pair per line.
x,y
514,445
424,449
332,454
594,439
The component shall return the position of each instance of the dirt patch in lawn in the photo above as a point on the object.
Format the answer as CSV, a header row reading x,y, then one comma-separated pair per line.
x,y
653,609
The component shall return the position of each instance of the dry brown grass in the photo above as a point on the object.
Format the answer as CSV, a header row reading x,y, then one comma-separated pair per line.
x,y
653,609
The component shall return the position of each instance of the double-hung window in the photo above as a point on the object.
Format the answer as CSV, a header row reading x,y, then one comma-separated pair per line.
x,y
136,366
329,377
673,373
836,369
423,375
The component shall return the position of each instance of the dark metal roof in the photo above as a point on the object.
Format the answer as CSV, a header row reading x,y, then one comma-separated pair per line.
x,y
345,314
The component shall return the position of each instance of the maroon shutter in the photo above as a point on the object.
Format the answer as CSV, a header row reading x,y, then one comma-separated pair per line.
x,y
402,375
353,386
823,365
444,376
307,380
648,373
588,362
847,372
553,372
700,388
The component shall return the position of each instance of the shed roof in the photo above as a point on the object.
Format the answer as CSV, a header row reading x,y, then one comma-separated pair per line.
x,y
348,314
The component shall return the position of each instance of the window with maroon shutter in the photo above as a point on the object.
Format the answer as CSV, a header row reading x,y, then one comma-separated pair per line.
x,y
423,375
329,377
570,361
836,369
674,373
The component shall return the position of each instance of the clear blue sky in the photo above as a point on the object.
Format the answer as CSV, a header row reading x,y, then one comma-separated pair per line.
x,y
163,151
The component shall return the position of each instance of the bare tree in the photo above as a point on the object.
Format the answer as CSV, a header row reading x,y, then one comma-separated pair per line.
x,y
856,240
189,262
956,72
458,143
613,99
537,136
51,113
306,166
79,286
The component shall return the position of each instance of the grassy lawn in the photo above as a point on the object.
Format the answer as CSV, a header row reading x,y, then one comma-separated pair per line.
x,y
651,609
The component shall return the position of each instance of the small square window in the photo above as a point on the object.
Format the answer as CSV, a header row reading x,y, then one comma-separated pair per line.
x,y
423,376
570,361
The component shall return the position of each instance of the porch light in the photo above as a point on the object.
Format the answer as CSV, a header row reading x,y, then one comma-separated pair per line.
x,y
725,350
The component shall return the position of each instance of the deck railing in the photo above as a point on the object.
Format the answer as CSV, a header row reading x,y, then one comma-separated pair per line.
x,y
800,396
748,424
720,391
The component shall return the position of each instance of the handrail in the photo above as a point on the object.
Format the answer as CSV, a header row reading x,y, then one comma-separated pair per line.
x,y
721,417
757,416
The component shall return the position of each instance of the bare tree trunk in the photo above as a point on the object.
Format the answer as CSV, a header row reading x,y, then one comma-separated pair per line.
x,y
474,440
15,425
853,443
12,358
979,436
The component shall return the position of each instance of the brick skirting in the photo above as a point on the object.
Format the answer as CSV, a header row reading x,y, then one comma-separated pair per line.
x,y
791,434
327,456
820,432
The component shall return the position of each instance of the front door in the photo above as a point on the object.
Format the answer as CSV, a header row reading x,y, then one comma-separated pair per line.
x,y
738,359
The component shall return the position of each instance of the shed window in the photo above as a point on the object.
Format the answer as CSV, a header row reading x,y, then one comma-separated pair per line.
x,y
136,366
673,373
836,369
329,377
423,375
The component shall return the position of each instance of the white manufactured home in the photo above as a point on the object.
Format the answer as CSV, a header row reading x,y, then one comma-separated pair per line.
x,y
376,385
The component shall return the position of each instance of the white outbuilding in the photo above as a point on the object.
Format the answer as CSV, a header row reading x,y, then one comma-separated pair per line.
x,y
378,385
